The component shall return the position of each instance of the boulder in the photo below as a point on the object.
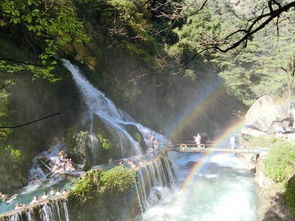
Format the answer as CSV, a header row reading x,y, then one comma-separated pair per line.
x,y
265,115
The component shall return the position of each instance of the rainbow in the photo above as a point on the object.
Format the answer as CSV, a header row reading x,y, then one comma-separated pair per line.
x,y
201,164
196,110
192,114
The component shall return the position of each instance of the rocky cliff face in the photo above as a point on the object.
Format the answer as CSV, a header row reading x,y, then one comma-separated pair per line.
x,y
266,116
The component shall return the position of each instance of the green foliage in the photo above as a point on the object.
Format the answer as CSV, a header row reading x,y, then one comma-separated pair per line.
x,y
86,188
127,25
199,29
4,133
98,183
138,137
50,25
264,67
11,161
76,140
279,164
105,142
118,179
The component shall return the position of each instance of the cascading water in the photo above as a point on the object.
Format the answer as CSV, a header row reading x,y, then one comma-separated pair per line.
x,y
41,169
52,211
152,181
219,188
115,119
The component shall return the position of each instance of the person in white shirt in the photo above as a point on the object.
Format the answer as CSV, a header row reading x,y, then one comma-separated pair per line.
x,y
233,142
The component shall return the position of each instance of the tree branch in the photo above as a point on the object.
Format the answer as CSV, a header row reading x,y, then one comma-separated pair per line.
x,y
31,122
250,31
169,28
21,62
6,84
136,11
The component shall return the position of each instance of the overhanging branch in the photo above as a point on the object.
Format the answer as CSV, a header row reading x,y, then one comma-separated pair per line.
x,y
21,62
248,31
251,30
2,86
31,122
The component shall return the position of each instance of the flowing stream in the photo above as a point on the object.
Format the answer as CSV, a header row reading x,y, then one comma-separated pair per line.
x,y
217,189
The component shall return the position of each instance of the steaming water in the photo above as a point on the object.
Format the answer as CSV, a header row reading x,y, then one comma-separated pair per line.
x,y
98,104
223,190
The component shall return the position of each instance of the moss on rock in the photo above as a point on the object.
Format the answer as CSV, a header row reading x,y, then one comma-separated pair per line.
x,y
103,195
98,183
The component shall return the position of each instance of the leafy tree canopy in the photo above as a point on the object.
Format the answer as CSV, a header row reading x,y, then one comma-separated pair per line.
x,y
265,66
43,27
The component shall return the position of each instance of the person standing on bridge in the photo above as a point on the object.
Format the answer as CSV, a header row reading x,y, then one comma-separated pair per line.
x,y
198,140
232,142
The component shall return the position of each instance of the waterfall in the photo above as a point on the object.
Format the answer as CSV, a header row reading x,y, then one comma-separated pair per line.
x,y
151,181
222,189
29,215
14,217
115,119
66,212
47,213
51,211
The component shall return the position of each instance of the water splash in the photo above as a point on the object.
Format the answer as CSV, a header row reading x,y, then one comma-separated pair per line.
x,y
211,195
152,182
40,169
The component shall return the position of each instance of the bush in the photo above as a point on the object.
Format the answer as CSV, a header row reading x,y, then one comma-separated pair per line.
x,y
97,183
280,162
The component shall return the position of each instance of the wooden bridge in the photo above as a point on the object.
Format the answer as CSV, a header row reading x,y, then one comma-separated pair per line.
x,y
191,147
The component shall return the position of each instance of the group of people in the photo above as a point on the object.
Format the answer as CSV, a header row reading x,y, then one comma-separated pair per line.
x,y
62,164
152,142
131,163
153,145
52,194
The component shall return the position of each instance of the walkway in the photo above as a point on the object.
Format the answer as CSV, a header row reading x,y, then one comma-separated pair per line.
x,y
190,147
